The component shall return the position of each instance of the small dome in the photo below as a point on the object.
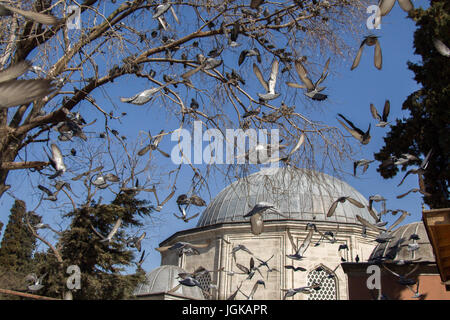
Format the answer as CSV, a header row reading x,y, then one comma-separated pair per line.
x,y
397,248
163,279
300,194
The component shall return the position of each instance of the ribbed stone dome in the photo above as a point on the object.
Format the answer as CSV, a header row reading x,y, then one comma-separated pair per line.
x,y
163,279
397,248
300,194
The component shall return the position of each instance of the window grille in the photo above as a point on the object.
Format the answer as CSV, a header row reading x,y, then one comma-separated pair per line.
x,y
328,288
205,281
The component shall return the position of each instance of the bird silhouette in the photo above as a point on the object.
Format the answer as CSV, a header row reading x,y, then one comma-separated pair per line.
x,y
342,200
18,92
361,136
364,163
269,86
312,90
382,120
369,41
42,18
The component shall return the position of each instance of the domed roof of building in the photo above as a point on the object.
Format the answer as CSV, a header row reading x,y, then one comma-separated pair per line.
x,y
397,248
163,279
300,194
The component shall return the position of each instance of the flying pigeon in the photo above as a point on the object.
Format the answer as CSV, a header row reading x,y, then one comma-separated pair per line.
x,y
294,291
403,279
261,208
414,190
36,282
249,53
255,287
51,195
113,231
313,90
364,163
269,86
239,247
382,120
342,200
6,10
363,137
370,41
179,246
136,241
144,96
184,216
387,5
295,268
18,92
300,251
257,224
406,158
57,161
419,171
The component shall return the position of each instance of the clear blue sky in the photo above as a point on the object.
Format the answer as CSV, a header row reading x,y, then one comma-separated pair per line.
x,y
350,93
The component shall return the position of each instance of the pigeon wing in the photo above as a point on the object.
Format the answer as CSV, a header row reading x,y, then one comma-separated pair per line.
x,y
300,141
378,57
306,242
358,55
273,76
115,228
386,110
367,224
14,71
35,16
291,239
257,224
355,202
332,208
400,219
406,5
386,6
295,85
260,77
323,76
57,157
303,74
374,112
17,92
441,47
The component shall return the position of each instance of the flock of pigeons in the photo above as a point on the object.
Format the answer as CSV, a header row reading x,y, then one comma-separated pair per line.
x,y
14,92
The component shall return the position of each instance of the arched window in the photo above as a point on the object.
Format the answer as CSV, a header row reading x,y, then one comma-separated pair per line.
x,y
205,282
328,280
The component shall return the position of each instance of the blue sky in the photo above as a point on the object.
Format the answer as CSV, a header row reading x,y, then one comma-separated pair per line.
x,y
350,93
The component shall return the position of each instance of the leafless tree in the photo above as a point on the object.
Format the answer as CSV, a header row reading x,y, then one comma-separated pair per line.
x,y
167,46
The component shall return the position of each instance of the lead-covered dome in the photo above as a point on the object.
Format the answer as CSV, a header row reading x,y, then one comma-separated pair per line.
x,y
162,280
300,194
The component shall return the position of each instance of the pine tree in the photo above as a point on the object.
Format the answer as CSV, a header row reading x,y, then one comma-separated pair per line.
x,y
427,128
100,262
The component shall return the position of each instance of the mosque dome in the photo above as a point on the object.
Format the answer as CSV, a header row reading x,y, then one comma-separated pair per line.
x,y
397,249
163,279
300,194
